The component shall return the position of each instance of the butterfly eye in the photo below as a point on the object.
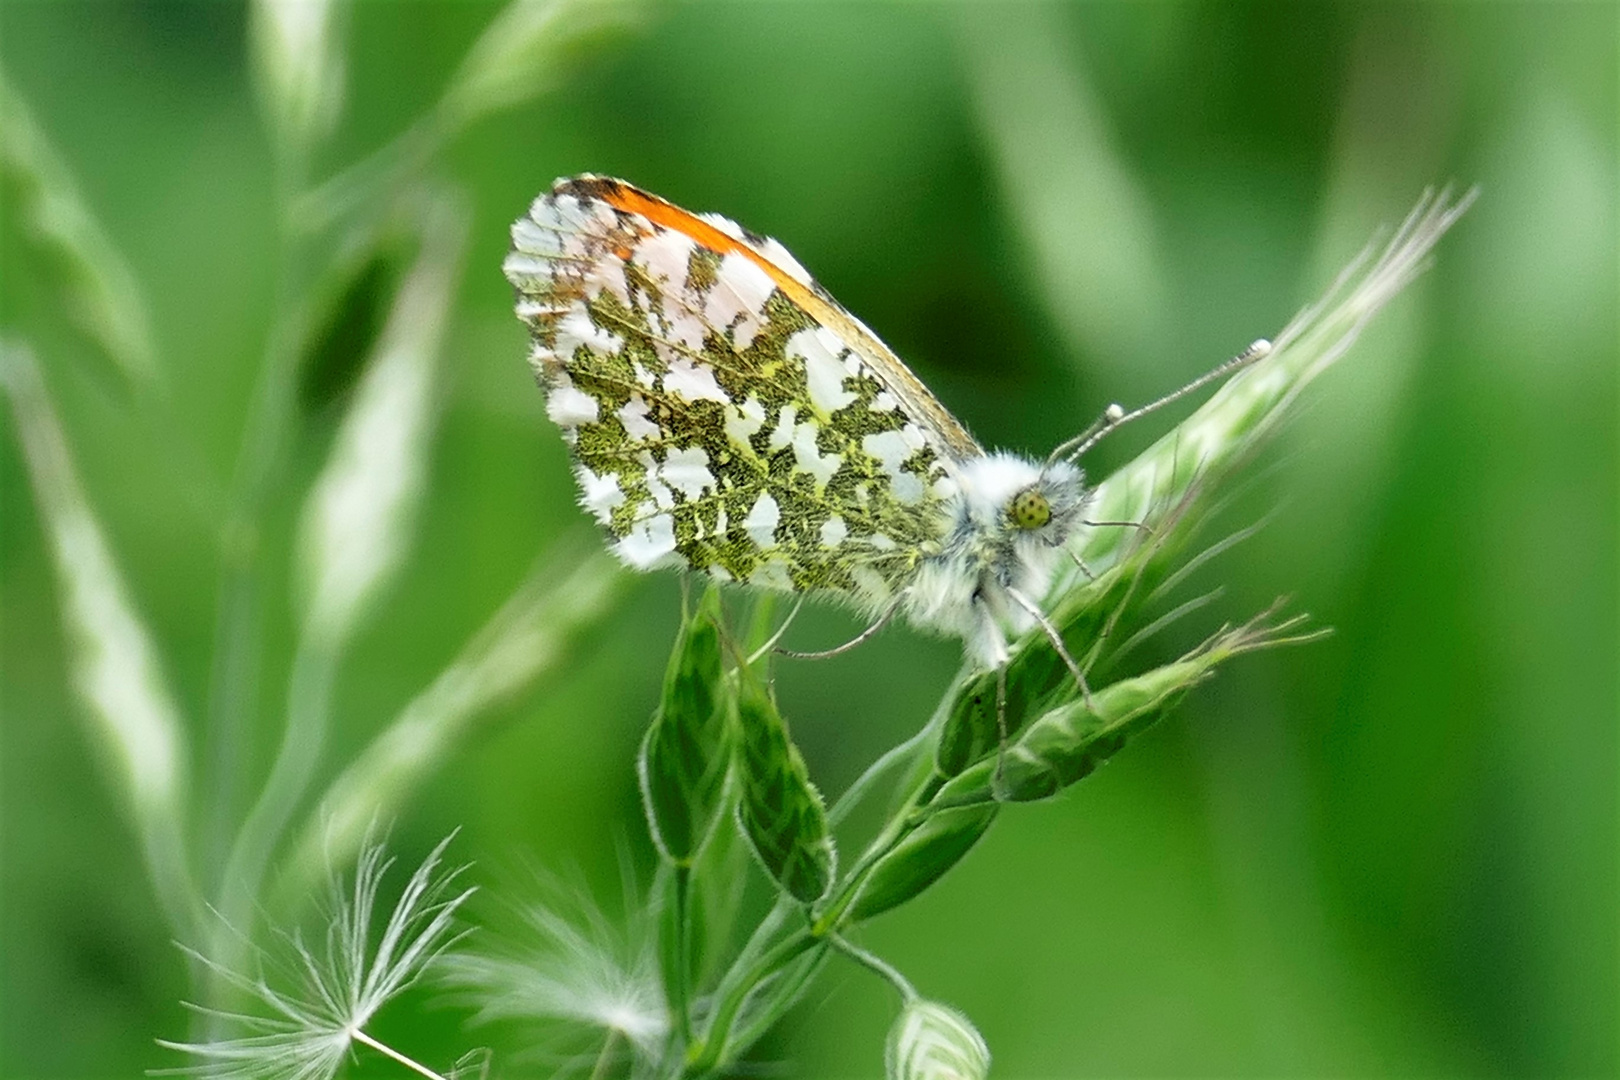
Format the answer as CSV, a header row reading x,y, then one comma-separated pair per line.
x,y
1029,509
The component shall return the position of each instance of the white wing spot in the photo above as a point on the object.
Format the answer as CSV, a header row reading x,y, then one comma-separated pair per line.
x,y
599,494
742,421
738,296
633,415
576,329
569,406
683,326
818,348
525,264
762,520
686,469
649,541
664,255
890,448
783,433
908,487
810,459
694,383
661,495
529,238
833,531
607,276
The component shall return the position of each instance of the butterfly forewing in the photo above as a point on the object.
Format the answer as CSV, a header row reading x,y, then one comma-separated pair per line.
x,y
724,413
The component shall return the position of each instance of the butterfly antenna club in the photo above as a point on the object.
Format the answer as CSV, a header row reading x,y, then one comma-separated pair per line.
x,y
1115,416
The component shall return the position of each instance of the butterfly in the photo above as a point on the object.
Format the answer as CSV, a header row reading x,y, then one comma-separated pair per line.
x,y
726,415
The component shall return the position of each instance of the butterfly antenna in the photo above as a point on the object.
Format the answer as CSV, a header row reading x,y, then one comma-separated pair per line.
x,y
1115,416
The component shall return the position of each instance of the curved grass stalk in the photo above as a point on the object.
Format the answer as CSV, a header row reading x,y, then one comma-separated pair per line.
x,y
529,636
117,670
356,527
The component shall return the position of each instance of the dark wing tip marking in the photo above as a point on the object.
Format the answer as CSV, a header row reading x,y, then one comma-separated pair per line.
x,y
589,186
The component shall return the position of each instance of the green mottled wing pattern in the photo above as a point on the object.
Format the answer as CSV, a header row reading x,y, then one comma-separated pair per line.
x,y
725,414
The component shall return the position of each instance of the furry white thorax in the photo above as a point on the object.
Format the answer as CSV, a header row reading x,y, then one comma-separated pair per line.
x,y
967,589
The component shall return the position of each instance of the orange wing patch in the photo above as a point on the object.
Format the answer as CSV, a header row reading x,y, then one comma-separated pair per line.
x,y
725,237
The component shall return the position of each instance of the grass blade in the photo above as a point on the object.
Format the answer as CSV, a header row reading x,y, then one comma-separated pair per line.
x,y
116,667
98,285
529,636
354,533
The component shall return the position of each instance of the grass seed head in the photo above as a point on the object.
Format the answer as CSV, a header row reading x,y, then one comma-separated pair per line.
x,y
931,1041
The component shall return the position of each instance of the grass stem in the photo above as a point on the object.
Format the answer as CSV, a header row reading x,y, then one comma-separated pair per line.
x,y
308,708
680,985
383,1048
233,677
703,1055
908,993
604,1060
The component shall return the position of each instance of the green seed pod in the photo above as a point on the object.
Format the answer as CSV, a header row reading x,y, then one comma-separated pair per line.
x,y
921,859
1035,680
781,812
971,731
931,1041
969,728
687,750
1069,742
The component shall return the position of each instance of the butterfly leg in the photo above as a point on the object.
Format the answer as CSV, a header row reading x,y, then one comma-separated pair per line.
x,y
1056,639
998,780
987,645
878,624
770,643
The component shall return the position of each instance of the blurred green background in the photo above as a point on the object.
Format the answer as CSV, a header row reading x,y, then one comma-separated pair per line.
x,y
1391,853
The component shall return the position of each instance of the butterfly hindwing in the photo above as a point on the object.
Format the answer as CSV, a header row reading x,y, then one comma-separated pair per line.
x,y
724,414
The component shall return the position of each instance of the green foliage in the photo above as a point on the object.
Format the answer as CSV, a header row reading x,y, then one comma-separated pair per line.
x,y
1067,743
686,753
780,810
921,858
